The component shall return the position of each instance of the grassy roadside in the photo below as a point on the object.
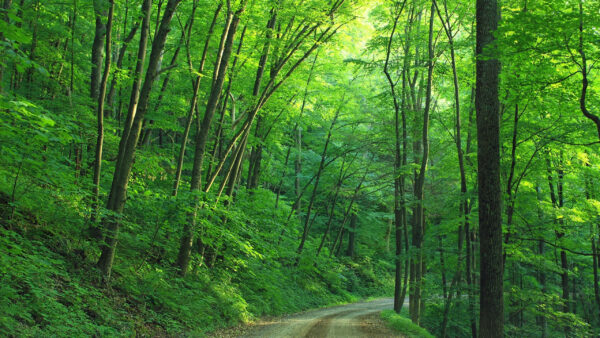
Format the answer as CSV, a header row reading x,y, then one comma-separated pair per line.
x,y
404,325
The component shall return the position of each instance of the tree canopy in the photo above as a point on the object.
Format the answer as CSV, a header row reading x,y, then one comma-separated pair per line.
x,y
170,167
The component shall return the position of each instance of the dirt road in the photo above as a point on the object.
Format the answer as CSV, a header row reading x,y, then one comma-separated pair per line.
x,y
353,320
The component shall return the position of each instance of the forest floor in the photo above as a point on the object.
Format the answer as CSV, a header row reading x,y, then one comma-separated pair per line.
x,y
352,320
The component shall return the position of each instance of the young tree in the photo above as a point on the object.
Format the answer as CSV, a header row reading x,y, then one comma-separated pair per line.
x,y
100,111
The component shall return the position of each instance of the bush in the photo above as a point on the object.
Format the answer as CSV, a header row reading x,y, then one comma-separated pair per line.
x,y
404,325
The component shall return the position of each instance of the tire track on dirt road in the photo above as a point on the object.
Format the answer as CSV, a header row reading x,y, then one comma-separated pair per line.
x,y
352,320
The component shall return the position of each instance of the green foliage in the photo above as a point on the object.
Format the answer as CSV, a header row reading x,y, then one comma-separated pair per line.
x,y
41,297
404,325
245,262
50,286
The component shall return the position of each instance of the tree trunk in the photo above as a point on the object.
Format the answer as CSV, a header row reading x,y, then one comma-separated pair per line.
x,y
186,32
97,50
118,193
557,199
469,251
351,237
6,8
100,114
491,313
220,71
398,178
419,217
137,81
193,104
340,233
317,179
584,71
463,204
217,152
256,153
119,64
514,311
333,203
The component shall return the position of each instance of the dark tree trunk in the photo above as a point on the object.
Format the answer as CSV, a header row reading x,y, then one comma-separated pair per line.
x,y
541,275
514,308
352,237
557,199
97,48
256,153
340,234
186,32
220,71
137,81
6,8
419,216
117,197
100,115
491,314
399,209
193,104
217,152
584,71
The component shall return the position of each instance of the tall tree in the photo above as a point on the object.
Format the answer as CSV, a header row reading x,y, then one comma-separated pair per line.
x,y
100,13
418,230
100,111
399,208
491,304
116,201
219,74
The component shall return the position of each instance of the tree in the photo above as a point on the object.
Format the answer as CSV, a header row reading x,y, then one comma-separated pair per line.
x,y
116,200
100,110
491,318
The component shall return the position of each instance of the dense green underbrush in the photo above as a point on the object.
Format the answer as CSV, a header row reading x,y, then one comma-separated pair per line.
x,y
244,265
49,284
400,323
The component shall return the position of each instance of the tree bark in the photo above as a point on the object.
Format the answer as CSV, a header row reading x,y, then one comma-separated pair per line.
x,y
193,104
317,179
398,178
183,39
463,204
117,198
97,48
220,71
557,199
119,63
100,113
137,81
419,217
491,314
351,237
256,152
333,203
584,71
6,8
339,236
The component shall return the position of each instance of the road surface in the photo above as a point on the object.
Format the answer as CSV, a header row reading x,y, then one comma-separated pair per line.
x,y
352,320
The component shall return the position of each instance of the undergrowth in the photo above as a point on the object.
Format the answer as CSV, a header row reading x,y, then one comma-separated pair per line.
x,y
404,325
49,285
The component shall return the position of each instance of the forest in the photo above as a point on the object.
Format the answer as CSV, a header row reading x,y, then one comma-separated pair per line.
x,y
180,167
